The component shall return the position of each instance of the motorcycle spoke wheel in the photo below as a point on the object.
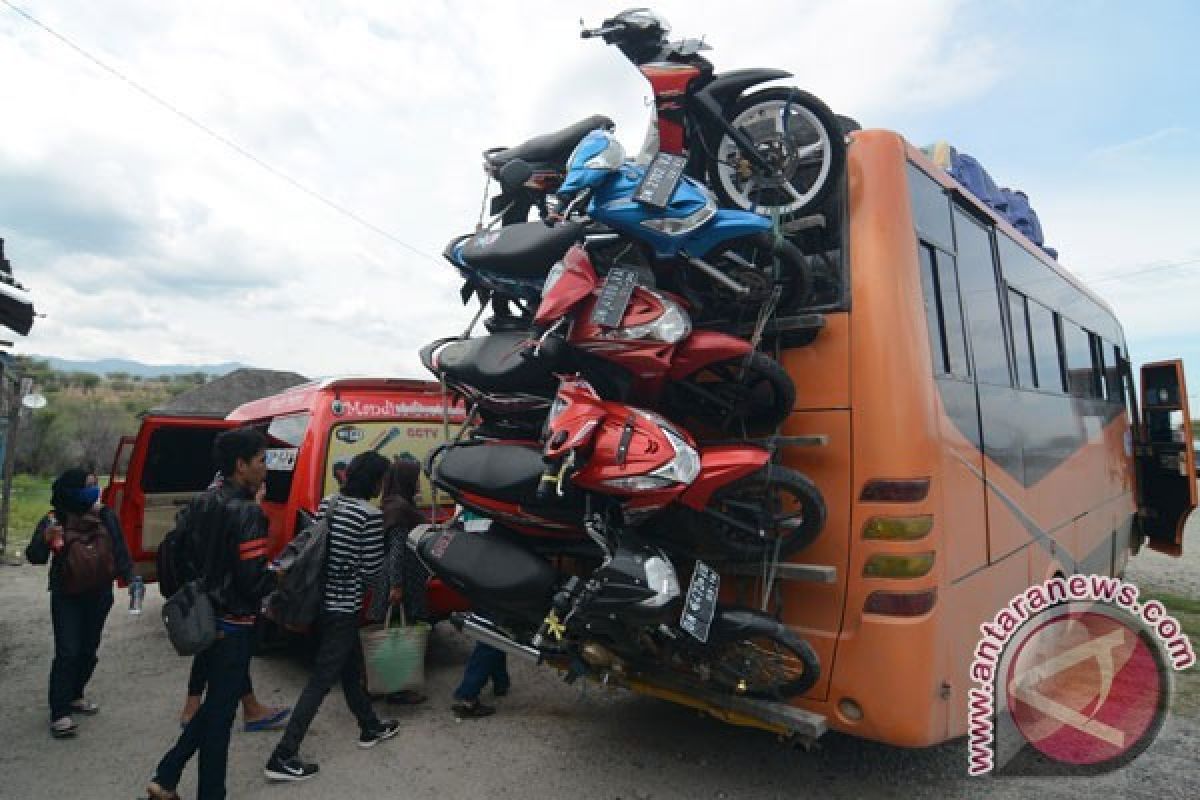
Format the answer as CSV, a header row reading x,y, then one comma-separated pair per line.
x,y
760,666
774,508
741,396
802,143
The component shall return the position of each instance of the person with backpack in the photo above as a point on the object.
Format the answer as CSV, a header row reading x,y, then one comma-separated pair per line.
x,y
83,542
223,547
255,715
354,556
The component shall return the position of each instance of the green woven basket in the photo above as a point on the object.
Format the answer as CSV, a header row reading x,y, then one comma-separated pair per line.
x,y
395,657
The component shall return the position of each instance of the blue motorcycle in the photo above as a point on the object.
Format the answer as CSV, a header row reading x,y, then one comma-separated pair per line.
x,y
653,219
722,260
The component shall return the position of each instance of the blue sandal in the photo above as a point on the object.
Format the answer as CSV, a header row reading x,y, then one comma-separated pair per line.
x,y
271,723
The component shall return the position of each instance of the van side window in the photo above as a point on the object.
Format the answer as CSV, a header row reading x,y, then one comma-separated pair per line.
x,y
981,300
1022,342
1044,337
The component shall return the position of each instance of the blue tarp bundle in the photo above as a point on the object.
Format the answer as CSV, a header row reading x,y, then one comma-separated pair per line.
x,y
1013,205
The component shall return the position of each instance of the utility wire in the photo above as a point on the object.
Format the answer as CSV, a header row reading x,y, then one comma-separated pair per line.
x,y
225,140
1124,275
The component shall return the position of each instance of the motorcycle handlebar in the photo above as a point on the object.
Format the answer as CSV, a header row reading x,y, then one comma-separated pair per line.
x,y
591,33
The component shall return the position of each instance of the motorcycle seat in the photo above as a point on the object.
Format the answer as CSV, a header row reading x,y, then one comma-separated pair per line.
x,y
495,363
508,472
549,148
525,250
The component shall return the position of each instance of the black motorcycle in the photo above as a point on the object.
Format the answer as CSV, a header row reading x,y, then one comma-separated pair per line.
x,y
622,618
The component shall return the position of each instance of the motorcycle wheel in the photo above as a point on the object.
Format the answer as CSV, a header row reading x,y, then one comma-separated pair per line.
x,y
798,136
775,511
766,659
758,262
746,396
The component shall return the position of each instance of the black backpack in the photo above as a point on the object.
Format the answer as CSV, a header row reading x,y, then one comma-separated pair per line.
x,y
173,559
296,604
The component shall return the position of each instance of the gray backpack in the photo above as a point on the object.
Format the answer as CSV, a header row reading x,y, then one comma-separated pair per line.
x,y
297,602
190,619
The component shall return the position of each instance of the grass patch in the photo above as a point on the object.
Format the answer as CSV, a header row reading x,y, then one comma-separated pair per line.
x,y
28,503
1183,608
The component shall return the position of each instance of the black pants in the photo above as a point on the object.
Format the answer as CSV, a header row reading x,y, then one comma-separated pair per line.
x,y
339,655
198,677
78,621
208,731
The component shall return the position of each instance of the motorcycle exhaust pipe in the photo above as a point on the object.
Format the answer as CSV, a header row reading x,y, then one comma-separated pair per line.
x,y
481,630
718,276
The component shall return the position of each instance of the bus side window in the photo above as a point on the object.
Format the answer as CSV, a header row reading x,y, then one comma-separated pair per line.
x,y
1112,375
934,317
947,331
1045,347
1022,342
1081,371
981,300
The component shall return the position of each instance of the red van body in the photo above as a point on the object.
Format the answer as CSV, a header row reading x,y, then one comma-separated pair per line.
x,y
312,431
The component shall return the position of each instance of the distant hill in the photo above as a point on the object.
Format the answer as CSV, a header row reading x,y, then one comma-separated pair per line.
x,y
107,365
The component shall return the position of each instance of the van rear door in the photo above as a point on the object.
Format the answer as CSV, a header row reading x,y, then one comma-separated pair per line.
x,y
1166,461
169,464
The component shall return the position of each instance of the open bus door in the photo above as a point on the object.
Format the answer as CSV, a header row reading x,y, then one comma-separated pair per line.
x,y
1166,462
170,462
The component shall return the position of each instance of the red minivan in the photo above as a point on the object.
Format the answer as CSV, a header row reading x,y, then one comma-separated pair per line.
x,y
313,430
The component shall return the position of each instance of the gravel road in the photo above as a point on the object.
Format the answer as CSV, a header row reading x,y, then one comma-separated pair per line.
x,y
549,740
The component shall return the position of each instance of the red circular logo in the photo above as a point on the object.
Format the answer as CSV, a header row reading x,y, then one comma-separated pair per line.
x,y
1086,688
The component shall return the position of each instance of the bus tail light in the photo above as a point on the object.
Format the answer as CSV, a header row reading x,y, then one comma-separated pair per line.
x,y
912,490
901,604
898,529
896,565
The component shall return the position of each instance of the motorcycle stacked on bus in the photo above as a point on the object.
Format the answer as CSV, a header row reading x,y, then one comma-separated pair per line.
x,y
622,422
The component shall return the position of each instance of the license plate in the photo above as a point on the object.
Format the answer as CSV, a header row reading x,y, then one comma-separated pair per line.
x,y
660,180
614,297
701,602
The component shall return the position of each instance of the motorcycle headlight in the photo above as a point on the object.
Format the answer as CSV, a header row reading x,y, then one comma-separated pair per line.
x,y
610,158
685,466
661,578
552,277
673,326
677,226
638,483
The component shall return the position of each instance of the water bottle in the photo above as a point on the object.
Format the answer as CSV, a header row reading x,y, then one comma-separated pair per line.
x,y
137,592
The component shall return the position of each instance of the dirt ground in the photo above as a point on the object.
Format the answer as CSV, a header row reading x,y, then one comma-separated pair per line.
x,y
549,740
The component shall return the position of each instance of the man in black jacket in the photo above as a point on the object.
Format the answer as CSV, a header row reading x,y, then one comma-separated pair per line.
x,y
227,538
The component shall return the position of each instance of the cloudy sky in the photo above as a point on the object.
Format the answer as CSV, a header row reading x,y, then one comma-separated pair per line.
x,y
142,236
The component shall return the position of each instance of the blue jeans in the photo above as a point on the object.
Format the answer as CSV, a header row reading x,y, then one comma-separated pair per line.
x,y
208,731
78,621
485,662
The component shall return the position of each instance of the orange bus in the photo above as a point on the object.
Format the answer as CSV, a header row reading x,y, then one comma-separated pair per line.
x,y
967,407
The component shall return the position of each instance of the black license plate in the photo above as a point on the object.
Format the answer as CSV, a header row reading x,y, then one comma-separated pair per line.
x,y
614,297
660,180
701,602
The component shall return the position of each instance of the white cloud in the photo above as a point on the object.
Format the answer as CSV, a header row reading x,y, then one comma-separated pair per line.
x,y
382,108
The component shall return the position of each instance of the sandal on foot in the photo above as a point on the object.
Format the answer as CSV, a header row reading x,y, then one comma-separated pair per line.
x,y
272,722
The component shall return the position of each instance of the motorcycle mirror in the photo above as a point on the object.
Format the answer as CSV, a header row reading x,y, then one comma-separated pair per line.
x,y
514,174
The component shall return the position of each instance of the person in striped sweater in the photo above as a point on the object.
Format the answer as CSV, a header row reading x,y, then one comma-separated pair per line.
x,y
354,558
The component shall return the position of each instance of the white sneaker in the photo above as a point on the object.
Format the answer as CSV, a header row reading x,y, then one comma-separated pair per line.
x,y
63,728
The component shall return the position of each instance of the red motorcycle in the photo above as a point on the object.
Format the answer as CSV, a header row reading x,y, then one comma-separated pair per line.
x,y
777,151
633,342
605,466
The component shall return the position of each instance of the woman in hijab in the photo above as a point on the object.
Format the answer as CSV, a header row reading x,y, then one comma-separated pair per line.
x,y
400,515
81,594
